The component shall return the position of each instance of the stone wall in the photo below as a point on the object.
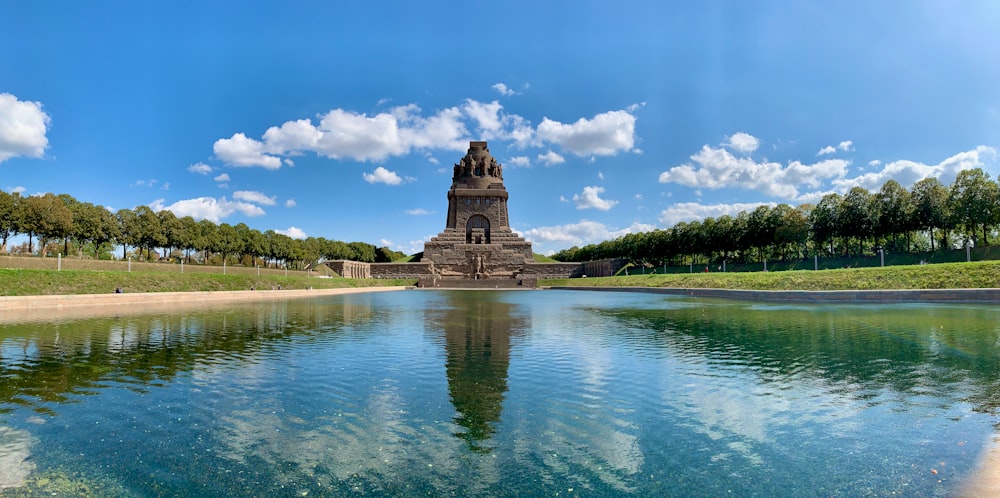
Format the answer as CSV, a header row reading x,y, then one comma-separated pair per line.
x,y
350,269
552,270
400,270
603,267
531,271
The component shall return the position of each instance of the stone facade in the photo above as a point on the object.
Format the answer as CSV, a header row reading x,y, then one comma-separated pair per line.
x,y
350,269
477,244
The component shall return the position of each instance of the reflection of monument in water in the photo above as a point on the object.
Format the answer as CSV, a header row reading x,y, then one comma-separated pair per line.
x,y
477,344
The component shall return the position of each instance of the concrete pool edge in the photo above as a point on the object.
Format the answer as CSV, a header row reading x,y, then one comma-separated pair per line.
x,y
31,308
961,296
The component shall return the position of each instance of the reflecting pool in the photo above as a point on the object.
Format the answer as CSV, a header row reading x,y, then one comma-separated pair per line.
x,y
493,393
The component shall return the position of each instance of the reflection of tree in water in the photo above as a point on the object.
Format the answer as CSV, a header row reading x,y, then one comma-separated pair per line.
x,y
477,336
904,349
43,363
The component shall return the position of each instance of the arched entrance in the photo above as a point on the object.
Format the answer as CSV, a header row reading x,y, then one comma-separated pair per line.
x,y
477,230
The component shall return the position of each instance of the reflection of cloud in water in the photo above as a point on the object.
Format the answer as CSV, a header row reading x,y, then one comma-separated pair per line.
x,y
745,414
599,438
377,443
15,451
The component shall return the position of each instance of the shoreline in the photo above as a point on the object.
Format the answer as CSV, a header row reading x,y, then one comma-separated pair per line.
x,y
954,296
15,309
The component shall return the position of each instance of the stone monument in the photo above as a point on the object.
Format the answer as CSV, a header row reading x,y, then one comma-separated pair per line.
x,y
477,242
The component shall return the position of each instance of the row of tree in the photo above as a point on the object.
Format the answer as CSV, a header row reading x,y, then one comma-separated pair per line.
x,y
858,222
78,225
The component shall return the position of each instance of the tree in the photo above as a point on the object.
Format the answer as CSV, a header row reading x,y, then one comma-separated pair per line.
x,y
9,213
792,231
823,220
363,251
931,208
762,224
974,201
254,244
128,230
172,229
856,216
226,241
94,224
47,217
151,232
187,236
894,211
107,229
205,240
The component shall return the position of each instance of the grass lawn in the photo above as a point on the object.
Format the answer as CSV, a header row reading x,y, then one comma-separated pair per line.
x,y
974,275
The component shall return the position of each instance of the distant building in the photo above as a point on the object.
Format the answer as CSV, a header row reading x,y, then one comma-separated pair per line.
x,y
477,247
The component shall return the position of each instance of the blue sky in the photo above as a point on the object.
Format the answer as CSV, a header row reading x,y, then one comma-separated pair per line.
x,y
342,119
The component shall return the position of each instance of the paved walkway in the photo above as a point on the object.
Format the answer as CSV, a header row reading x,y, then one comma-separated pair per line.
x,y
34,308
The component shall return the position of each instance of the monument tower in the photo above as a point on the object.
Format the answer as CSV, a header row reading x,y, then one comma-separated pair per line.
x,y
477,242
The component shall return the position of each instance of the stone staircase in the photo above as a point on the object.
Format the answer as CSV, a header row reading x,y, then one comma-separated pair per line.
x,y
485,284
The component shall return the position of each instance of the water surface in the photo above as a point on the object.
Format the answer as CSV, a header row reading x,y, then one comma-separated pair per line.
x,y
500,394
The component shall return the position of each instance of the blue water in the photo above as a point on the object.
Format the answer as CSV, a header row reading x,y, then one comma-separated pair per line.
x,y
517,393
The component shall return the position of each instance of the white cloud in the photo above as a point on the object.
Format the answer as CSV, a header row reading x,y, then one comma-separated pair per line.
x,y
254,197
293,232
382,175
693,211
909,172
845,146
550,158
502,89
23,125
742,142
584,232
239,150
715,168
486,115
418,212
600,175
590,198
208,208
224,177
874,163
605,134
16,190
144,183
518,162
411,247
290,203
288,162
344,134
200,168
